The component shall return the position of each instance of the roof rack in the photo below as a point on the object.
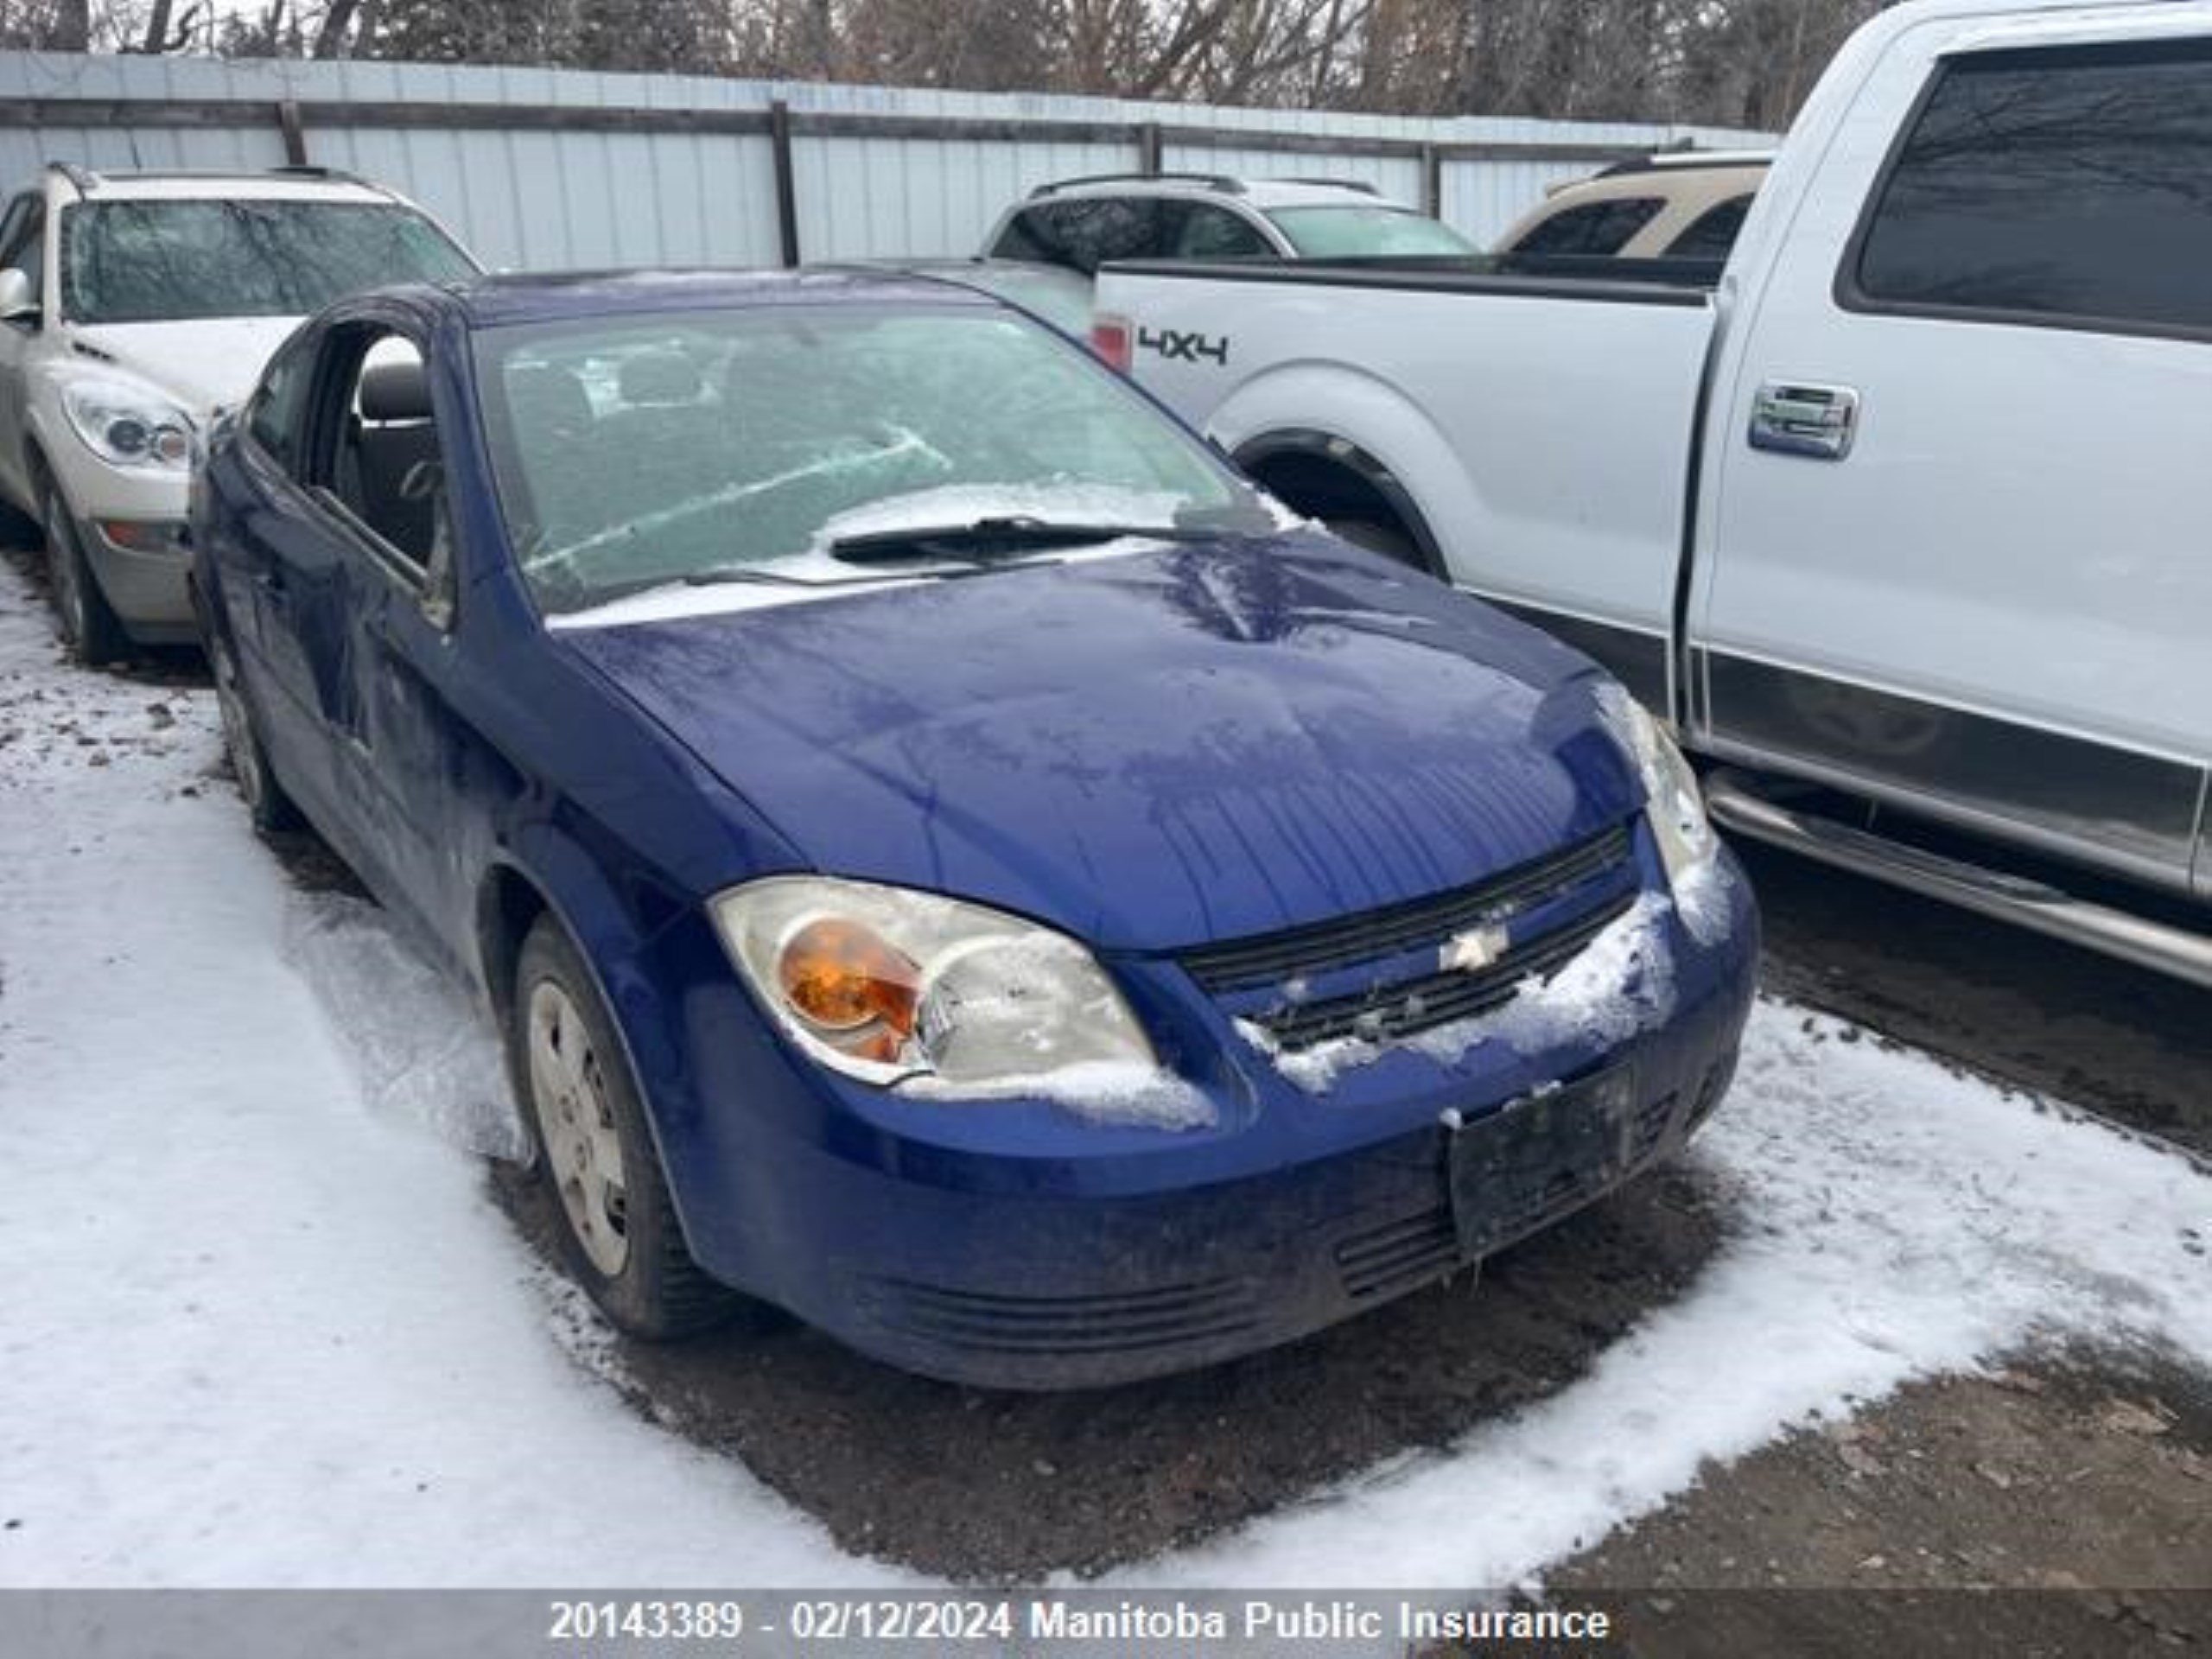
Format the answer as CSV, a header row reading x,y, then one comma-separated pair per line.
x,y
1669,161
335,175
1360,184
84,179
1219,181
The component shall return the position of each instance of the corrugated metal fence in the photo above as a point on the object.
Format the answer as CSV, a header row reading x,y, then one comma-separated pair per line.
x,y
553,168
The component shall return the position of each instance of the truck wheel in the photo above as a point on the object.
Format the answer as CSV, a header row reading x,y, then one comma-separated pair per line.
x,y
616,1225
89,626
266,803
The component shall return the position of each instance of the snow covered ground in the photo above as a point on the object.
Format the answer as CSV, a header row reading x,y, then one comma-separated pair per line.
x,y
261,1325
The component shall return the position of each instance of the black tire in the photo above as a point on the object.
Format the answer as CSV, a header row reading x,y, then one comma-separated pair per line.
x,y
657,1291
1389,540
89,626
272,810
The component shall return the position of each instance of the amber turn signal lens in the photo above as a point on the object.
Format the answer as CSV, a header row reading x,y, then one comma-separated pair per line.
x,y
841,977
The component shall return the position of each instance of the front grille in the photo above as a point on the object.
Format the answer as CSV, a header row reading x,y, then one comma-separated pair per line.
x,y
1323,947
1423,1003
1122,1323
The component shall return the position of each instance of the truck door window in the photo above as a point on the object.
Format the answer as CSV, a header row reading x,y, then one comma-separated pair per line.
x,y
2062,187
1595,229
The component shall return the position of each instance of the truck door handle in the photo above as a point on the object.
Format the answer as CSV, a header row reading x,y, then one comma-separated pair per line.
x,y
1793,419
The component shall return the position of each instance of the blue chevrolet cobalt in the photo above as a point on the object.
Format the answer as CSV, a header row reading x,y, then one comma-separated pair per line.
x,y
949,857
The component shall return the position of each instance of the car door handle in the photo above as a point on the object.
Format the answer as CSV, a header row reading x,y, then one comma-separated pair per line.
x,y
1792,418
269,579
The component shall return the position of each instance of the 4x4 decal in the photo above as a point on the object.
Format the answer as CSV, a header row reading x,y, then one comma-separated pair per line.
x,y
1178,348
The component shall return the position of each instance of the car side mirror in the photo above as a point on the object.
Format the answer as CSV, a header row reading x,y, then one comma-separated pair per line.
x,y
17,302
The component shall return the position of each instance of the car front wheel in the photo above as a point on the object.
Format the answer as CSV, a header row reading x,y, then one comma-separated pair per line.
x,y
89,625
616,1224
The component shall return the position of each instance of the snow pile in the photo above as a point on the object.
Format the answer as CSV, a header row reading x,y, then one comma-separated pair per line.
x,y
257,1332
1622,983
1890,1220
420,1053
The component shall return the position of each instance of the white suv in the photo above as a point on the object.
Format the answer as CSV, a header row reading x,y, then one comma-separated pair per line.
x,y
133,306
1082,224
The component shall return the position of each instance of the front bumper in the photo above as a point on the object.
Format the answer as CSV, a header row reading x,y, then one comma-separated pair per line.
x,y
1159,1254
148,589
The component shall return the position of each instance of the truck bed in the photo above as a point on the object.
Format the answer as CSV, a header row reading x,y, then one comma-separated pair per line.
x,y
1535,422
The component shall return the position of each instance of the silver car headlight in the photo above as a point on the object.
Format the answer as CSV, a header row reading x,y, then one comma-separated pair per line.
x,y
130,426
1673,802
900,987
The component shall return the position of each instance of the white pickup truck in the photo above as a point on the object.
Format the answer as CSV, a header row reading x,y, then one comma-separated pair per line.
x,y
1905,519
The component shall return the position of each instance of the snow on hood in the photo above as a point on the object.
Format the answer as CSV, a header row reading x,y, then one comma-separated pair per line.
x,y
208,363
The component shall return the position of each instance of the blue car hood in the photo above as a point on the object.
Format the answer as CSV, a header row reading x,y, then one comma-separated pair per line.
x,y
1149,750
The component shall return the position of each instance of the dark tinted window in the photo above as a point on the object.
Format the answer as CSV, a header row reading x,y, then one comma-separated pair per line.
x,y
1084,234
2075,184
1210,233
274,415
24,246
1712,232
1595,228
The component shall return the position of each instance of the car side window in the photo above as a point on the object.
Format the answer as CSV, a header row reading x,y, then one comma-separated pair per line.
x,y
375,462
1205,232
274,418
1712,232
2055,185
22,241
1592,229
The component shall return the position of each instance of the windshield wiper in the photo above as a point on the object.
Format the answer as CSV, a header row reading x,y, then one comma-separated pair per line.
x,y
979,540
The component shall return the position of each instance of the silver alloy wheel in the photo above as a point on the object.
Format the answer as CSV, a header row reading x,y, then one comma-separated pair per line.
x,y
582,1153
237,727
65,570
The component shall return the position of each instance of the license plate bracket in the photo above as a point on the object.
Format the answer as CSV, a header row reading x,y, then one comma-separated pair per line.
x,y
1537,1158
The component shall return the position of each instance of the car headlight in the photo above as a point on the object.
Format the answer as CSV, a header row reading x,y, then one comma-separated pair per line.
x,y
896,987
1673,802
130,426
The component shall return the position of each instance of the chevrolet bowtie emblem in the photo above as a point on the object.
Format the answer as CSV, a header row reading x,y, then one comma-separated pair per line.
x,y
1472,951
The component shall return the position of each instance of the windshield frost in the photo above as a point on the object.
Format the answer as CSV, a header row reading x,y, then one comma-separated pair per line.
x,y
634,454
164,260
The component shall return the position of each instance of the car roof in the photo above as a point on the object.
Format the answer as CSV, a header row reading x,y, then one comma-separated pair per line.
x,y
276,184
499,300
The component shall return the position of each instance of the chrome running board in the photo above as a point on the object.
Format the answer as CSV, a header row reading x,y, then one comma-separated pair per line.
x,y
1737,802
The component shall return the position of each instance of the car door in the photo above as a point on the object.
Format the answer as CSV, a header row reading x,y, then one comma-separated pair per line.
x,y
1955,554
282,579
23,247
386,659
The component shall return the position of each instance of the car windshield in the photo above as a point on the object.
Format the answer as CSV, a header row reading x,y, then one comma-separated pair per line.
x,y
637,452
163,261
1365,233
